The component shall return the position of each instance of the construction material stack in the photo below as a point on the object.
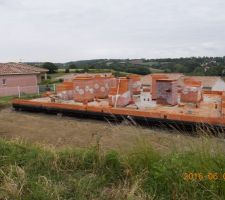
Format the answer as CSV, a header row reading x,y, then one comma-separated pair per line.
x,y
65,90
86,88
223,104
102,85
121,95
136,83
166,92
156,77
191,92
83,89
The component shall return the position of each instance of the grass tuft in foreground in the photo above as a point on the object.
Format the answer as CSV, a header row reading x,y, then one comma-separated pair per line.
x,y
32,172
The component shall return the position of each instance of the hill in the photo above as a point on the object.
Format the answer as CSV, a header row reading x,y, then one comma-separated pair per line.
x,y
208,66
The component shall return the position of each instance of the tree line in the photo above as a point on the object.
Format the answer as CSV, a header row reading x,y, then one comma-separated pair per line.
x,y
206,66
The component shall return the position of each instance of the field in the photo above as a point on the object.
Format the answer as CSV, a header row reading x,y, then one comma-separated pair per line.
x,y
73,132
57,157
5,101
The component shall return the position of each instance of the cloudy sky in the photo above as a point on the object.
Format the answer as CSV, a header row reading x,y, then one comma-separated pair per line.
x,y
64,30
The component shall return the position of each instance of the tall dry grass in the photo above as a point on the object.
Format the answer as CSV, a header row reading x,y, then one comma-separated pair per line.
x,y
144,172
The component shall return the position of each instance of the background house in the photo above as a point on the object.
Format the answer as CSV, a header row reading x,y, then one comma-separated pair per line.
x,y
19,76
213,83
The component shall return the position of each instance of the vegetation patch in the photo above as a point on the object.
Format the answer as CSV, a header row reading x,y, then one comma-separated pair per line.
x,y
200,66
34,172
7,101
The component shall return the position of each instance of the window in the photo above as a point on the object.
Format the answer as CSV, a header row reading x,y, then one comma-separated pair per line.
x,y
3,81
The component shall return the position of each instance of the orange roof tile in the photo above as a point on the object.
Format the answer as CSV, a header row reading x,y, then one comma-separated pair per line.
x,y
19,68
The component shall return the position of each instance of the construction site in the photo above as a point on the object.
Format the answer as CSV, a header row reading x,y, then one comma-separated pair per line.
x,y
102,96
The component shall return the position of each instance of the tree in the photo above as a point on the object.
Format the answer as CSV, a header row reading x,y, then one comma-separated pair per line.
x,y
72,66
215,71
139,70
117,74
85,70
199,71
67,70
52,68
179,68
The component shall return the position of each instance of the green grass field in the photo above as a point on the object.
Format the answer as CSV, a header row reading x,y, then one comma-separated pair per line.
x,y
89,70
34,172
6,101
154,70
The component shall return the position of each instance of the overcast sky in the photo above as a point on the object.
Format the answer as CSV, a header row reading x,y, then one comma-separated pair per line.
x,y
64,30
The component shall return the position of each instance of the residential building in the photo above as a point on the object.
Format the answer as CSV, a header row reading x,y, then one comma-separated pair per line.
x,y
19,76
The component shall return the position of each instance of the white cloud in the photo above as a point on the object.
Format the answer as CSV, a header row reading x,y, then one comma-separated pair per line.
x,y
63,30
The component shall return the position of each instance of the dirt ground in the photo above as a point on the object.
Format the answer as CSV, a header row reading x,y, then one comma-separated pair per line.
x,y
64,131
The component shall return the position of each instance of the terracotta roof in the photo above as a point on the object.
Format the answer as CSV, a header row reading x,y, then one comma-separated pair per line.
x,y
20,68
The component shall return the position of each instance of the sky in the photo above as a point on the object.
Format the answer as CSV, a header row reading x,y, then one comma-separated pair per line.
x,y
66,30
